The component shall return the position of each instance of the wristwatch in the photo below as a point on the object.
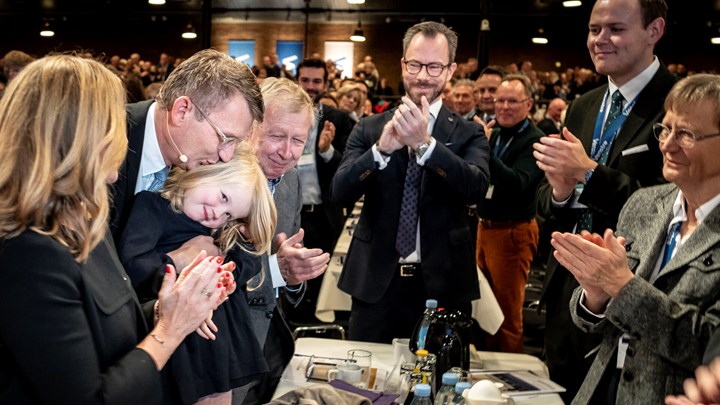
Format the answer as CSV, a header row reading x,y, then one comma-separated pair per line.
x,y
421,149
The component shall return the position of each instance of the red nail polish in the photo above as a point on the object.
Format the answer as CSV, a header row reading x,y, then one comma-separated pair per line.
x,y
168,268
210,259
219,285
219,260
219,269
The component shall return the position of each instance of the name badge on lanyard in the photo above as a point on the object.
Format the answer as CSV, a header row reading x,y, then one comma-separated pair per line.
x,y
500,152
602,140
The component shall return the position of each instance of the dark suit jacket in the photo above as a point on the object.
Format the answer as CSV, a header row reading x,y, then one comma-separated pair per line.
x,y
123,190
548,127
605,194
68,331
326,170
455,175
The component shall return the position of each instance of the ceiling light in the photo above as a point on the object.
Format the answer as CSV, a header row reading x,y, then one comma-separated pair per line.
x,y
358,35
572,3
539,40
356,1
189,32
715,40
46,30
156,2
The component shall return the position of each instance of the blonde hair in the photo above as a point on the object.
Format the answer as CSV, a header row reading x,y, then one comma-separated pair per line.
x,y
349,88
289,97
62,135
210,78
242,171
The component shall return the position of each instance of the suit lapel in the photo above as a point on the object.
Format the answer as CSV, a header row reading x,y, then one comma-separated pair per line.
x,y
702,240
444,125
650,99
651,235
136,135
588,126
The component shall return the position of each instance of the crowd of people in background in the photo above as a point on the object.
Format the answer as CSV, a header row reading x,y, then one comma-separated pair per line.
x,y
369,91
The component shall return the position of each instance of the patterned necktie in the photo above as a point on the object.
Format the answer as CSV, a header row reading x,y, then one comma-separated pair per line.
x,y
407,228
615,110
159,178
585,219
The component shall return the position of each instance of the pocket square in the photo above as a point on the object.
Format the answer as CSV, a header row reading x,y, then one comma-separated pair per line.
x,y
635,149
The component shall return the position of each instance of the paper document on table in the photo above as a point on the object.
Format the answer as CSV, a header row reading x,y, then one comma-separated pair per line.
x,y
518,382
486,310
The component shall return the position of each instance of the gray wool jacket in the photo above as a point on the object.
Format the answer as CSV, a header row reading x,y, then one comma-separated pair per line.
x,y
670,320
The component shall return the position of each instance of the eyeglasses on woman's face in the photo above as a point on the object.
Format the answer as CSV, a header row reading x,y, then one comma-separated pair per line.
x,y
685,138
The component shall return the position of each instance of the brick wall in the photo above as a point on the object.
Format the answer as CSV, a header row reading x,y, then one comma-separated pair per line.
x,y
383,42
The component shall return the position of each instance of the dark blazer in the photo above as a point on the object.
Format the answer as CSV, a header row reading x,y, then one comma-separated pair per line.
x,y
515,176
670,320
548,127
68,331
326,170
455,175
123,190
605,194
152,230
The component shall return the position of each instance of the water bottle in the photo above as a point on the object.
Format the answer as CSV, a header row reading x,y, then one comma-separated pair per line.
x,y
422,395
460,387
420,374
446,393
423,325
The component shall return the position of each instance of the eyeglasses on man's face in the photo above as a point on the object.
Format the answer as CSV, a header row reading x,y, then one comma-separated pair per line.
x,y
433,69
511,102
225,141
685,138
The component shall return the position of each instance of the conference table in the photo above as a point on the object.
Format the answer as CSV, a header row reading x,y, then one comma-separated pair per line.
x,y
383,359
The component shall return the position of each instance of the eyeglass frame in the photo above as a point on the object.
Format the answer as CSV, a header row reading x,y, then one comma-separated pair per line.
x,y
510,102
225,141
694,138
426,66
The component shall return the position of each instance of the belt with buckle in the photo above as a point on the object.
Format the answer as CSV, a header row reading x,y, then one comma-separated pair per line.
x,y
408,269
489,223
311,207
471,210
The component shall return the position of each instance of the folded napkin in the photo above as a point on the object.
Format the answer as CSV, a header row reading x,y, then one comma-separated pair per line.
x,y
320,394
377,398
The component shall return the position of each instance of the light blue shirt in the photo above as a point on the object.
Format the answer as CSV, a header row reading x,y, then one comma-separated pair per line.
x,y
152,159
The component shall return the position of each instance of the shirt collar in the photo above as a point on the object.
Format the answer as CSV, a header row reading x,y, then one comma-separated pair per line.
x,y
272,184
152,159
435,107
631,89
701,212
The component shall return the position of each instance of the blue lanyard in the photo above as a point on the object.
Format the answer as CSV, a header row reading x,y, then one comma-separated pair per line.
x,y
601,142
670,242
499,153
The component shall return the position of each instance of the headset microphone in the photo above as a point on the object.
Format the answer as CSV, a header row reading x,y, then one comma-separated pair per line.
x,y
183,158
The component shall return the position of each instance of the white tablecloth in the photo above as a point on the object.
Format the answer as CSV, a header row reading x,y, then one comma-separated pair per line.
x,y
382,358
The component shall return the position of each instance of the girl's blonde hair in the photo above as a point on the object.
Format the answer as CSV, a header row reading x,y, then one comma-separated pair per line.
x,y
242,171
62,135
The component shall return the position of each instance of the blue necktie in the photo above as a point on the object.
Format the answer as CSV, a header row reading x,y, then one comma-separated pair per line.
x,y
159,178
407,228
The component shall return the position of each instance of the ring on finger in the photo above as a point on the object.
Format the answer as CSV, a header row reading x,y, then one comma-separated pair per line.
x,y
205,292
